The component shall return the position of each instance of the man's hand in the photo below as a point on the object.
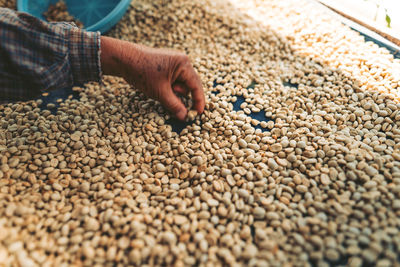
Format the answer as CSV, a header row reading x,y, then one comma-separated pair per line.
x,y
159,73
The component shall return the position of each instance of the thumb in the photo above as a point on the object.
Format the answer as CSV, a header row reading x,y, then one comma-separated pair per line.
x,y
173,104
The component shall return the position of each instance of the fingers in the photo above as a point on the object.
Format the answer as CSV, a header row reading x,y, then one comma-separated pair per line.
x,y
172,103
191,80
180,89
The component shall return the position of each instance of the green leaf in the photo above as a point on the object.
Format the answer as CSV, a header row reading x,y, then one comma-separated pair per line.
x,y
388,20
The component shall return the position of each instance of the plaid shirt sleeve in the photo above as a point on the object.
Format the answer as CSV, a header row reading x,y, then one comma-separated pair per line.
x,y
37,56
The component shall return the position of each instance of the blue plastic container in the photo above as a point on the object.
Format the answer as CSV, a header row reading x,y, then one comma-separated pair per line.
x,y
96,15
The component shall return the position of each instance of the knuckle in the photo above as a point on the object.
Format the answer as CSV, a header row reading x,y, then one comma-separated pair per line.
x,y
184,59
173,106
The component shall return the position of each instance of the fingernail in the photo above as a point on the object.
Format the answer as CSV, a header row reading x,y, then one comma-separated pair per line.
x,y
181,114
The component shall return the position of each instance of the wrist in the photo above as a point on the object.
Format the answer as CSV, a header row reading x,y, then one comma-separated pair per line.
x,y
111,50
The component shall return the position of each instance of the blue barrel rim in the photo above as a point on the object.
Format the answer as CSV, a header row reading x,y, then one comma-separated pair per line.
x,y
117,11
103,24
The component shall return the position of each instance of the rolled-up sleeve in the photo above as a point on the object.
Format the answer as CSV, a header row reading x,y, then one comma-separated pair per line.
x,y
36,56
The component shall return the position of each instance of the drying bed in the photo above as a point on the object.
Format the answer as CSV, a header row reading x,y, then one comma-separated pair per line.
x,y
295,160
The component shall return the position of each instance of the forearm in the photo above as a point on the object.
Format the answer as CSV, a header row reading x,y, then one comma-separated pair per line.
x,y
116,54
111,50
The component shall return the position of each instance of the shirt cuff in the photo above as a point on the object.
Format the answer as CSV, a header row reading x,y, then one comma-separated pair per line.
x,y
84,55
